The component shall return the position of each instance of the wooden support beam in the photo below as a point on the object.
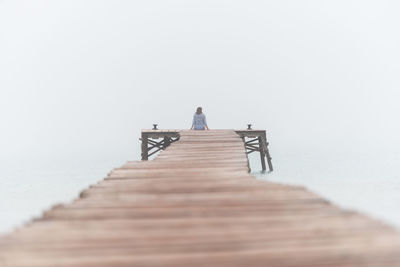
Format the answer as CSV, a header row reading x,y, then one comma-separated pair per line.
x,y
145,150
262,153
155,144
269,158
249,151
253,147
260,139
152,153
167,141
150,146
255,141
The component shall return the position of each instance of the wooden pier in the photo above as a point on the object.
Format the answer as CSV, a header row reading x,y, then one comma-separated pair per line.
x,y
196,205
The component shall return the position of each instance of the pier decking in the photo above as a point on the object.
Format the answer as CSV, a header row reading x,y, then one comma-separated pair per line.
x,y
196,205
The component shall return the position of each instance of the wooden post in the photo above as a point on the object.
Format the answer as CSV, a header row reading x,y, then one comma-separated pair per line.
x,y
261,146
269,159
167,142
145,151
260,137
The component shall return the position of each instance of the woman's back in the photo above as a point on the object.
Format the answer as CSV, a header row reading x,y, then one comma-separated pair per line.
x,y
199,120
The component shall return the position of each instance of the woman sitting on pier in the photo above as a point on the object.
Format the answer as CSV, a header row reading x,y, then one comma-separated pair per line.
x,y
199,120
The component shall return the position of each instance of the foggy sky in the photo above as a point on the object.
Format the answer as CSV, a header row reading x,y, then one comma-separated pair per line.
x,y
81,78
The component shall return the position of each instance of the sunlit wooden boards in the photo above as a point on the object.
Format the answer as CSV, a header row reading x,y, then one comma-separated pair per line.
x,y
196,205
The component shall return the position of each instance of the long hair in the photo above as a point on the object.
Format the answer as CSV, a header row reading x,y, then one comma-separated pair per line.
x,y
199,111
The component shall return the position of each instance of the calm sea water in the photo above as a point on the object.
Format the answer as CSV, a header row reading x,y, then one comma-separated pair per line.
x,y
352,180
29,188
366,182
